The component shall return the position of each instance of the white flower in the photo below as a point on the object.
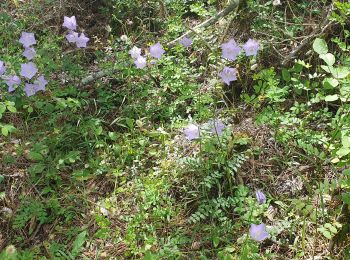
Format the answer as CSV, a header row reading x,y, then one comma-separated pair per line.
x,y
276,2
135,52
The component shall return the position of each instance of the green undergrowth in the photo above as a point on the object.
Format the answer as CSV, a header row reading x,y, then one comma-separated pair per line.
x,y
104,170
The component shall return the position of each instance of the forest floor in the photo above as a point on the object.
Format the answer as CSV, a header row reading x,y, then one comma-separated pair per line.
x,y
106,169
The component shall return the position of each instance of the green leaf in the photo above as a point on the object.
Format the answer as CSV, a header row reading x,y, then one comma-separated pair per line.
x,y
327,234
1,178
331,228
343,151
328,58
286,75
346,198
35,156
12,109
326,68
320,46
78,243
345,141
330,83
340,72
4,131
331,98
36,168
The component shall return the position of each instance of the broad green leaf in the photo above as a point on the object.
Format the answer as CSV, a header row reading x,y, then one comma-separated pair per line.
x,y
2,108
340,72
4,131
331,98
345,140
286,75
320,46
330,83
328,58
343,151
327,234
326,68
35,156
1,178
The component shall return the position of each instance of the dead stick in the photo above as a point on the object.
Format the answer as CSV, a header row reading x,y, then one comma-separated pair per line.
x,y
231,7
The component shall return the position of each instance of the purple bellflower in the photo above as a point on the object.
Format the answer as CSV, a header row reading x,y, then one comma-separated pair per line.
x,y
251,47
191,132
186,42
30,89
29,53
70,23
217,127
72,37
28,70
228,75
260,197
135,52
140,62
156,51
258,232
27,39
2,67
230,50
40,83
11,81
82,41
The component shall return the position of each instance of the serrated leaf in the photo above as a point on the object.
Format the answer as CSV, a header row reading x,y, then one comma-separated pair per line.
x,y
78,244
320,46
328,58
331,98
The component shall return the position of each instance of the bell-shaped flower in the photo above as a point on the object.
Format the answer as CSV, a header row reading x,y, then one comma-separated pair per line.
x,y
82,41
191,132
258,232
140,62
135,52
12,81
27,39
230,50
29,53
30,89
251,47
260,197
186,42
217,127
72,37
228,75
70,23
156,51
28,70
40,83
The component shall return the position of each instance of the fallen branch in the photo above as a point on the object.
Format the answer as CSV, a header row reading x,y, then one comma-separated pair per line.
x,y
96,75
233,5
